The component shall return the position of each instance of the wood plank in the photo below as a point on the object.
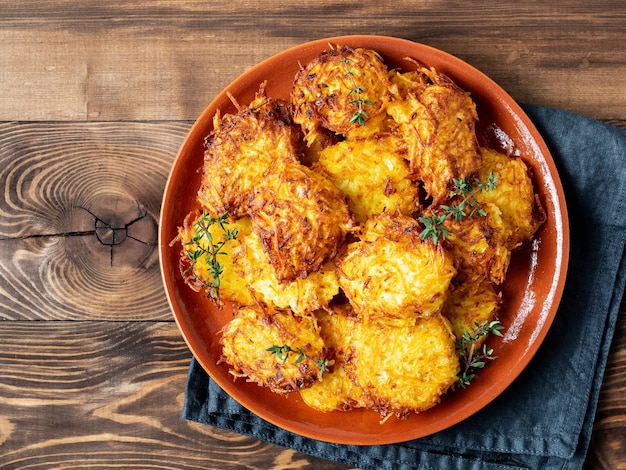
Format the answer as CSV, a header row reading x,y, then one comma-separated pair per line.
x,y
81,202
608,441
147,60
109,395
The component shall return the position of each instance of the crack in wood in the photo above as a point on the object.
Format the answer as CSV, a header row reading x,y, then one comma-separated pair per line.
x,y
80,233
112,234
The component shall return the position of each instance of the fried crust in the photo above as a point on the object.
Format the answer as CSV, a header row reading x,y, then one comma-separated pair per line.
x,y
247,278
336,391
196,270
390,369
390,273
478,245
514,195
330,89
470,305
301,219
246,338
373,174
242,149
437,121
404,369
302,296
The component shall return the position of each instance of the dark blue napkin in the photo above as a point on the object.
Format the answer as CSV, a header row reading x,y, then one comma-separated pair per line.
x,y
544,420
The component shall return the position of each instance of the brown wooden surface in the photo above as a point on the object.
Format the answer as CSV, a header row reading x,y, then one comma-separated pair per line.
x,y
96,98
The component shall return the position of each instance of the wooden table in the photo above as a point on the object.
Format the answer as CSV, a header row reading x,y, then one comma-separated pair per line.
x,y
96,98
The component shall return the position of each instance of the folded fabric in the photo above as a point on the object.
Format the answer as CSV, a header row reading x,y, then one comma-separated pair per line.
x,y
544,419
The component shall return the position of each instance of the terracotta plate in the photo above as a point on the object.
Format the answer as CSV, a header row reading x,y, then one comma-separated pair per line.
x,y
532,289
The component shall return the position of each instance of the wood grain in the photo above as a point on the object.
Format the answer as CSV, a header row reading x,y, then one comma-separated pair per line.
x,y
145,60
608,442
109,395
81,202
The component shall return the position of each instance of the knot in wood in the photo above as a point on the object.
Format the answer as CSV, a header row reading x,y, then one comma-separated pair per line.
x,y
125,228
114,228
110,235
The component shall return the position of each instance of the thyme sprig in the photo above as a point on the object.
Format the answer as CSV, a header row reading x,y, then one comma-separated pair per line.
x,y
283,352
360,115
473,357
468,206
203,245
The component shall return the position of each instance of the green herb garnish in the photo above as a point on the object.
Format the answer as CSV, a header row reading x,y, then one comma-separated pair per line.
x,y
282,352
472,357
360,115
202,245
468,206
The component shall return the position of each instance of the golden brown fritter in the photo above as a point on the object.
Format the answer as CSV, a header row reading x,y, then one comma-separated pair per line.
x,y
391,369
437,120
294,363
247,278
196,260
339,90
404,369
335,390
514,195
472,304
390,273
302,296
373,174
478,244
301,219
242,149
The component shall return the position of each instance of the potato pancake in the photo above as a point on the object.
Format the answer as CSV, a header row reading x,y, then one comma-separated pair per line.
x,y
437,121
339,90
478,244
301,219
247,278
514,195
293,366
373,174
251,264
469,305
197,238
242,149
336,391
404,369
392,369
391,273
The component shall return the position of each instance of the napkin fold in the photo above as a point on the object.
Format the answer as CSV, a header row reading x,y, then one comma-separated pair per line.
x,y
545,418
